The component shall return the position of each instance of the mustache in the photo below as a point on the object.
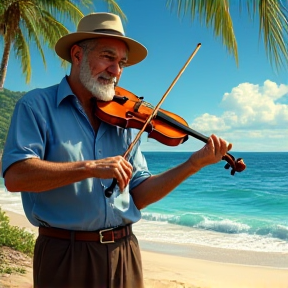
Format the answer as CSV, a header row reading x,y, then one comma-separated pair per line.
x,y
106,76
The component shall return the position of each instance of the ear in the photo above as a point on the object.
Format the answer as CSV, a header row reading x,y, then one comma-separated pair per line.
x,y
76,54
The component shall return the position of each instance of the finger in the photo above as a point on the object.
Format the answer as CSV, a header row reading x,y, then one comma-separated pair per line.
x,y
221,147
223,144
123,173
128,168
216,144
229,146
113,167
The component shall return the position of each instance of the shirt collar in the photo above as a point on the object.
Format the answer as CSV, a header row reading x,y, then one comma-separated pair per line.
x,y
64,90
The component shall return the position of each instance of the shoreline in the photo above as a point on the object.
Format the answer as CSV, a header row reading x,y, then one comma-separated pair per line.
x,y
277,260
219,255
196,266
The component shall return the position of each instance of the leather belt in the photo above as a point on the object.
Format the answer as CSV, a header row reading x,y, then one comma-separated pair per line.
x,y
109,235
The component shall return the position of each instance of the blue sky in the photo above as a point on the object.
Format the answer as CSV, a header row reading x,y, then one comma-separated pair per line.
x,y
247,105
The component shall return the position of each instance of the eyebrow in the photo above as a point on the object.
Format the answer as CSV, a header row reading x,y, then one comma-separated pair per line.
x,y
112,52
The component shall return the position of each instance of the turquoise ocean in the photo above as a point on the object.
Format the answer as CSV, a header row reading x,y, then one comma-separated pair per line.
x,y
247,211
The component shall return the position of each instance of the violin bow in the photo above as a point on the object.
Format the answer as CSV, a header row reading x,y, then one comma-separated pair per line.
x,y
109,190
236,165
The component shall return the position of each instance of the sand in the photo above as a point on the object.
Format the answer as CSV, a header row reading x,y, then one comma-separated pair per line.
x,y
194,270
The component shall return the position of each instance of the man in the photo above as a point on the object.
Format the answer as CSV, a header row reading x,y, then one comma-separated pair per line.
x,y
62,158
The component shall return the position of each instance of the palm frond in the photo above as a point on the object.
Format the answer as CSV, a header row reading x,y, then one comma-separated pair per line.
x,y
213,14
63,10
32,20
51,29
36,22
115,8
273,18
21,49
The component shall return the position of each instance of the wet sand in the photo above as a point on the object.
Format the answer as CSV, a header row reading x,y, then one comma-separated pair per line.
x,y
191,266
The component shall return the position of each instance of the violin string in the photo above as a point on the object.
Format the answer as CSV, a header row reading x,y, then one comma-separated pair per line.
x,y
147,104
155,110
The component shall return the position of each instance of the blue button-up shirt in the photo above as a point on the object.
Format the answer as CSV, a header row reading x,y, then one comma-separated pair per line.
x,y
50,124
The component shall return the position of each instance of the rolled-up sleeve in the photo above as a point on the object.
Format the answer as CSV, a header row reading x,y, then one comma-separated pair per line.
x,y
140,167
26,136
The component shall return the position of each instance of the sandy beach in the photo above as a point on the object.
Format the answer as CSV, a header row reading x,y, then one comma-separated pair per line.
x,y
206,268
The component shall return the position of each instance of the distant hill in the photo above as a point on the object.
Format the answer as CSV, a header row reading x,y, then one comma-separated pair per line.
x,y
8,101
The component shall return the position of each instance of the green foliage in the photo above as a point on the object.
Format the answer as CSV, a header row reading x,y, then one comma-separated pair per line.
x,y
9,270
15,237
8,100
39,23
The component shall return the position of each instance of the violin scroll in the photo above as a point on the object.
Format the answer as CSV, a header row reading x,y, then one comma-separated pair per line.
x,y
237,165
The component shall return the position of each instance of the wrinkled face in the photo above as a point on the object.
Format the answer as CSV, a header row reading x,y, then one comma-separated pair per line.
x,y
102,65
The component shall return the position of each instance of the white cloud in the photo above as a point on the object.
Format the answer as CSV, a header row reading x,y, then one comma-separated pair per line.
x,y
251,113
248,106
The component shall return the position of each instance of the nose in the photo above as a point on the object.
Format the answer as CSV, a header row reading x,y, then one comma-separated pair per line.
x,y
115,69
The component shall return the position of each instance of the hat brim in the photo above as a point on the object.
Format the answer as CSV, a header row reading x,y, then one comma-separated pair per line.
x,y
137,52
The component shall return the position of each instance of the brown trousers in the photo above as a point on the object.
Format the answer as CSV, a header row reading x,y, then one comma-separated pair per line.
x,y
79,264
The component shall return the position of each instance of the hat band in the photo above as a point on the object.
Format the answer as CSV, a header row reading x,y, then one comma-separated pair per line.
x,y
108,31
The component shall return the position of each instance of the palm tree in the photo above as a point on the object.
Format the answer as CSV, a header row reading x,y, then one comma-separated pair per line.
x,y
273,18
25,22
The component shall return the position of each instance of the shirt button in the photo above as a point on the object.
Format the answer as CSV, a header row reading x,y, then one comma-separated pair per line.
x,y
100,151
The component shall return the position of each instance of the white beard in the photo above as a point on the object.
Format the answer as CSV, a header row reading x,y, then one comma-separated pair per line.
x,y
103,92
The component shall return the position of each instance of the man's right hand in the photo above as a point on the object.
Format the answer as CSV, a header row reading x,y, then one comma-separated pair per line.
x,y
113,167
36,175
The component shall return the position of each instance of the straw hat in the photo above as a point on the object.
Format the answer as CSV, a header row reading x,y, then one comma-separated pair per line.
x,y
97,25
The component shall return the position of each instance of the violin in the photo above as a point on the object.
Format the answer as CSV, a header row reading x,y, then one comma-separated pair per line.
x,y
127,110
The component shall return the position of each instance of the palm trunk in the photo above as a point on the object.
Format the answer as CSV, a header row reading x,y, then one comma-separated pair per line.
x,y
4,62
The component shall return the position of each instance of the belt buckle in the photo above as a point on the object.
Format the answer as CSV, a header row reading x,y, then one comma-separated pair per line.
x,y
102,236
